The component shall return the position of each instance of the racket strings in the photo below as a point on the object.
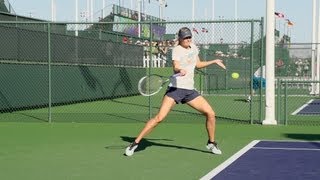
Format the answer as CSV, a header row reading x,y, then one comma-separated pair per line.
x,y
150,85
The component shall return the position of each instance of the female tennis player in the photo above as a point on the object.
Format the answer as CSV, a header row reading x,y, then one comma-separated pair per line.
x,y
181,90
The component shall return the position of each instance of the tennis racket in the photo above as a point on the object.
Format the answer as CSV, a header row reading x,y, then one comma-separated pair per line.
x,y
152,84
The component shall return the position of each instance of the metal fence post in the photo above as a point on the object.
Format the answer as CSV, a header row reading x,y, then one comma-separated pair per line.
x,y
251,70
279,100
286,103
49,73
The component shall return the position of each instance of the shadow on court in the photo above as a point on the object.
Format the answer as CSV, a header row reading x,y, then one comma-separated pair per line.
x,y
154,107
183,111
145,143
306,137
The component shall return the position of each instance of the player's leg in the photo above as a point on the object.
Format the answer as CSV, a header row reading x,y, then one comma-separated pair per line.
x,y
255,87
167,104
253,81
202,105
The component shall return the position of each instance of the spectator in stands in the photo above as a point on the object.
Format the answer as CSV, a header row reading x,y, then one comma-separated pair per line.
x,y
130,41
168,43
125,40
181,89
305,67
146,48
135,16
138,43
155,54
163,49
155,49
298,67
279,67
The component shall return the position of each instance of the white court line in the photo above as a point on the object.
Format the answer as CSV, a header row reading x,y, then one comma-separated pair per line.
x,y
288,149
289,140
226,163
299,109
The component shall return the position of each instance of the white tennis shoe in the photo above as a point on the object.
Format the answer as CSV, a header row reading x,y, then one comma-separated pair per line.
x,y
130,149
213,147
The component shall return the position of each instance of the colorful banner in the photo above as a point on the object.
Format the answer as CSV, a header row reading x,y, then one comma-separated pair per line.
x,y
132,29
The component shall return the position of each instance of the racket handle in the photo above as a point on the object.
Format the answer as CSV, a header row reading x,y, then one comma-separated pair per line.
x,y
176,75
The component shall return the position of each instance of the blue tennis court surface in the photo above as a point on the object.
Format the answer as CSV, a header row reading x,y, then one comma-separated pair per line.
x,y
276,160
311,108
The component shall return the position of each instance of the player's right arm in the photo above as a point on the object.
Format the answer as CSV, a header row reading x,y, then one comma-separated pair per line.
x,y
177,69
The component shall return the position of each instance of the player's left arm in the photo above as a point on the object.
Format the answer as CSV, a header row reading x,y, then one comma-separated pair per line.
x,y
201,64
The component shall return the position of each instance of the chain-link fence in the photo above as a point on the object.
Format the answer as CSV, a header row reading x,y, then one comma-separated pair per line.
x,y
293,61
297,93
296,104
88,72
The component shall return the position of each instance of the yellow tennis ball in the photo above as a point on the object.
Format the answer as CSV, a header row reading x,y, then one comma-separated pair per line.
x,y
235,75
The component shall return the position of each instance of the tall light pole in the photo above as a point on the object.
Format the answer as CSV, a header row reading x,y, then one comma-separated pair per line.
x,y
103,10
317,73
91,10
204,30
270,96
162,4
53,10
88,9
212,27
221,18
236,24
76,17
313,45
193,12
139,17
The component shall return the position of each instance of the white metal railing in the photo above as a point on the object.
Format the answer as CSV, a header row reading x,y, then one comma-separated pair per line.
x,y
155,61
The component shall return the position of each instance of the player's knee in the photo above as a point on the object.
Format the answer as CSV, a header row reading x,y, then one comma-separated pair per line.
x,y
210,115
158,119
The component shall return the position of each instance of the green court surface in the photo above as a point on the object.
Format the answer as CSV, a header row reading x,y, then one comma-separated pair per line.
x,y
132,109
90,80
87,140
82,151
228,107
